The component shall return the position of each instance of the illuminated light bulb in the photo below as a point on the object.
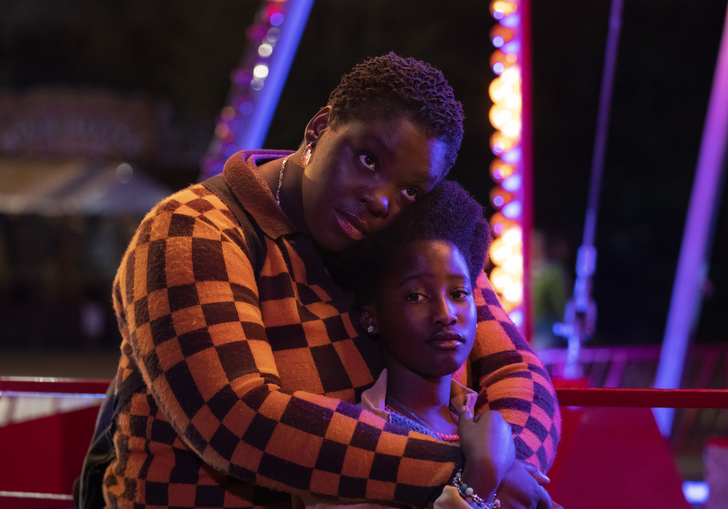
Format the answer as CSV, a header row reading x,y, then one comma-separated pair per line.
x,y
512,210
499,90
514,265
498,67
501,224
246,108
512,156
498,14
499,115
511,58
221,131
500,170
273,34
498,201
504,6
498,41
499,197
228,113
513,236
511,21
256,84
516,317
499,252
504,142
124,173
498,228
260,71
513,293
265,50
500,279
512,183
498,148
512,75
511,48
512,129
276,19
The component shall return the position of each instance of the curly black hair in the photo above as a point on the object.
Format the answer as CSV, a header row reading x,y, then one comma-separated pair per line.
x,y
391,85
448,213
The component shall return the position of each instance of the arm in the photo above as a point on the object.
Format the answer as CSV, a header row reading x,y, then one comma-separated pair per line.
x,y
188,303
511,379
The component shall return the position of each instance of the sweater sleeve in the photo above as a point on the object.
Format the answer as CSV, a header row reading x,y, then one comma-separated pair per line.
x,y
511,379
187,302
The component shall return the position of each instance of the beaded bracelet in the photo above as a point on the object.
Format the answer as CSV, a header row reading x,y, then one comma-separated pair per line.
x,y
466,492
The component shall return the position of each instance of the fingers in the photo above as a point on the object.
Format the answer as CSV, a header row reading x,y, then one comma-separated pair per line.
x,y
539,476
465,412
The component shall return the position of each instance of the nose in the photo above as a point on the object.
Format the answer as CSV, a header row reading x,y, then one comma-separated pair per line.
x,y
376,200
443,312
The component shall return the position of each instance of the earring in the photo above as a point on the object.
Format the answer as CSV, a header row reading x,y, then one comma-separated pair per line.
x,y
306,157
370,329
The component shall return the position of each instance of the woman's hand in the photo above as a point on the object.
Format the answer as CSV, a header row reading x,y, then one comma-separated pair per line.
x,y
522,488
487,444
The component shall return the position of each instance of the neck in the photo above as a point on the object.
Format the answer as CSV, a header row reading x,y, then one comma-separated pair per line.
x,y
291,198
427,399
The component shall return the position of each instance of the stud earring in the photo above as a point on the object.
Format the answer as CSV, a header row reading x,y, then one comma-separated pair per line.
x,y
306,157
370,329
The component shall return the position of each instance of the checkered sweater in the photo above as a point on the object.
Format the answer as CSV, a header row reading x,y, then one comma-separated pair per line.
x,y
251,384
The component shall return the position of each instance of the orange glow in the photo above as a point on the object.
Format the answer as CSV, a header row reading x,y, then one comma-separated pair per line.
x,y
500,170
503,6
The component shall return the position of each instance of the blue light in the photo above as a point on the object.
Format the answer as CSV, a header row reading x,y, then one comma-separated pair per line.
x,y
512,47
512,183
512,210
230,150
498,201
696,492
498,41
512,156
276,19
498,67
511,21
497,14
498,228
516,317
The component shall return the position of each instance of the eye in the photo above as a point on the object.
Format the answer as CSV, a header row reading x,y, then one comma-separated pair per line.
x,y
459,294
410,193
368,161
415,297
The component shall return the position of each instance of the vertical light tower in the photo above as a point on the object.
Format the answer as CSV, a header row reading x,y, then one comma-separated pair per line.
x,y
510,169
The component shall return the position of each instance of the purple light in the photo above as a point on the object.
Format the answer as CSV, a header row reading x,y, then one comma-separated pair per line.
x,y
512,47
246,108
498,228
276,19
512,156
512,210
230,150
498,67
512,183
498,201
498,174
497,148
516,317
497,14
498,41
511,21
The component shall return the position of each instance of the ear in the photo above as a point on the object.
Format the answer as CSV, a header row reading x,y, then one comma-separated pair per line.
x,y
317,125
368,321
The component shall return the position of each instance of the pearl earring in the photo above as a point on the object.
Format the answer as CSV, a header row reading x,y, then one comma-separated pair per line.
x,y
306,157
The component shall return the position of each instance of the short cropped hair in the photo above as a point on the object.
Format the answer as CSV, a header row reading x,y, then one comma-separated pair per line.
x,y
448,213
391,85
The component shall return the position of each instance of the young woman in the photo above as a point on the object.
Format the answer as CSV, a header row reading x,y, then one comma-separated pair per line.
x,y
414,283
251,375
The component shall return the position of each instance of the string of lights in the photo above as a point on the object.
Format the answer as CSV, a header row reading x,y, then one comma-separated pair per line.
x,y
506,169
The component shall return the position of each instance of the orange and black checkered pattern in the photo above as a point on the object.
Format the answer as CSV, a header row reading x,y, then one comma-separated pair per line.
x,y
251,385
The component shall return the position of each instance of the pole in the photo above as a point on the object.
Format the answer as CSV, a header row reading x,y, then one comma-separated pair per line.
x,y
694,259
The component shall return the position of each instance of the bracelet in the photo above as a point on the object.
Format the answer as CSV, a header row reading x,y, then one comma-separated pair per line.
x,y
466,492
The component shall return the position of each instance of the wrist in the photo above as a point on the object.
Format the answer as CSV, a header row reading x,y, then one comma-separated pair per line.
x,y
477,500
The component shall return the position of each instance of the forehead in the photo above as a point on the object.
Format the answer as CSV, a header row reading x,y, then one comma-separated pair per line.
x,y
428,259
398,143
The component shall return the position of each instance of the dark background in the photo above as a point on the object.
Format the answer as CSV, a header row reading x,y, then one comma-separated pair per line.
x,y
180,54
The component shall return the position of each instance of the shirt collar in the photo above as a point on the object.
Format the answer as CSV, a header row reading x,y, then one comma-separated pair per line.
x,y
252,191
374,398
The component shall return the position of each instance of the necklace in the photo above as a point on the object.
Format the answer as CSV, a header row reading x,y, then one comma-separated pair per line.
x,y
280,180
442,436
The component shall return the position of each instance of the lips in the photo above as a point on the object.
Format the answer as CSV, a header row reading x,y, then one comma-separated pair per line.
x,y
351,225
446,340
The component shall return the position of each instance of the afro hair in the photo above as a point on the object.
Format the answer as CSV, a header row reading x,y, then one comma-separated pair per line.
x,y
448,213
391,85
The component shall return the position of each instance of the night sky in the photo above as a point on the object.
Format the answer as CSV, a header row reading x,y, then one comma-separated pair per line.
x,y
181,53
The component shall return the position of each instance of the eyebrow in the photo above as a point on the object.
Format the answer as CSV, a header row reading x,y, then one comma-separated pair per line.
x,y
419,275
